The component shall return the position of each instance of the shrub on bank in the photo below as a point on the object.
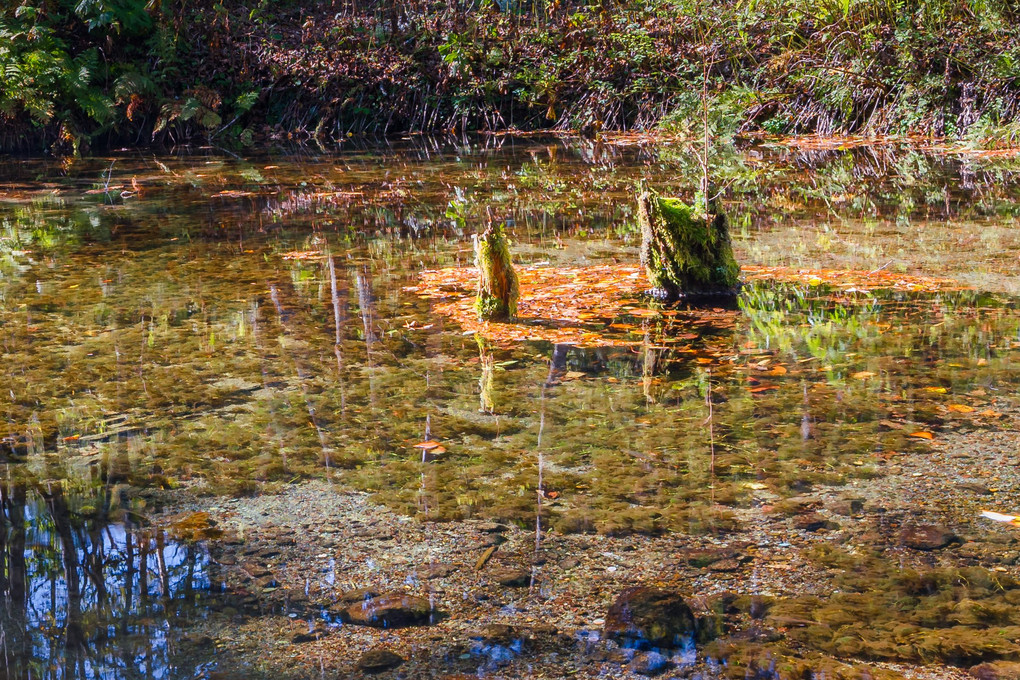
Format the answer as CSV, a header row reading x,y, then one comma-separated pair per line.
x,y
130,72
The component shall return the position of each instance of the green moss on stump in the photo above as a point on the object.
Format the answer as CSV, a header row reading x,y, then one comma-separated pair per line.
x,y
498,287
685,254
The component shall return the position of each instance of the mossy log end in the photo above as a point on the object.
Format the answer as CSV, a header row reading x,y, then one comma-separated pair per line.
x,y
686,255
498,288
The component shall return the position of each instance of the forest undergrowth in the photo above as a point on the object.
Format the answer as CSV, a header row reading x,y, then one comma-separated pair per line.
x,y
77,74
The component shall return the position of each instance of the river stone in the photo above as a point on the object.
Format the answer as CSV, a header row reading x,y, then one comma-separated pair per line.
x,y
927,537
378,660
440,570
725,566
512,578
648,663
974,487
996,670
389,611
643,616
499,633
359,595
847,507
813,521
707,556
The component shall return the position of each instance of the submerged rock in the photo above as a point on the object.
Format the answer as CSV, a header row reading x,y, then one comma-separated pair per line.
x,y
725,566
705,557
389,611
650,617
648,663
927,537
512,578
814,521
440,570
497,632
359,595
999,670
378,660
848,507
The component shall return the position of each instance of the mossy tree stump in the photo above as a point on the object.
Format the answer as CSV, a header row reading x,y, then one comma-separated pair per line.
x,y
498,288
686,252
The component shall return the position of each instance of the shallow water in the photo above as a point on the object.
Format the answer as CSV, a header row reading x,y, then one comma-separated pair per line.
x,y
240,324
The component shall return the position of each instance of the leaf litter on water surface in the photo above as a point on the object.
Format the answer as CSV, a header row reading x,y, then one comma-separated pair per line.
x,y
961,408
576,305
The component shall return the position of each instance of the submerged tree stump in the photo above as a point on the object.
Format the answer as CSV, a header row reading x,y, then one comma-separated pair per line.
x,y
686,254
498,288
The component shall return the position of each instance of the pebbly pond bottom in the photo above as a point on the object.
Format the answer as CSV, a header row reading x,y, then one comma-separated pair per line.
x,y
228,411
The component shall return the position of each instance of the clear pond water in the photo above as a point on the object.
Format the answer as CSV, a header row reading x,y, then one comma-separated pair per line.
x,y
236,325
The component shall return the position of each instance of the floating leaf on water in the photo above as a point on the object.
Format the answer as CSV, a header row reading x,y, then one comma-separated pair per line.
x,y
303,255
863,375
557,303
428,446
643,313
922,435
573,375
778,370
961,408
937,390
757,486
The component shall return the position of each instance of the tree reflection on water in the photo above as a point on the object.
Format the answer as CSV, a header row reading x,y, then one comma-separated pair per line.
x,y
85,598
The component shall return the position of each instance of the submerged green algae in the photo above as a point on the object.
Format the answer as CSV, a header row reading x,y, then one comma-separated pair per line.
x,y
234,325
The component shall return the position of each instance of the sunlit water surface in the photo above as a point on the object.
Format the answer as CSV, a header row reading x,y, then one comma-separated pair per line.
x,y
240,324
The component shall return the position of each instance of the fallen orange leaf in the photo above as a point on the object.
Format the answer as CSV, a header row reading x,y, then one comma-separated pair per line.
x,y
961,408
558,304
922,435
